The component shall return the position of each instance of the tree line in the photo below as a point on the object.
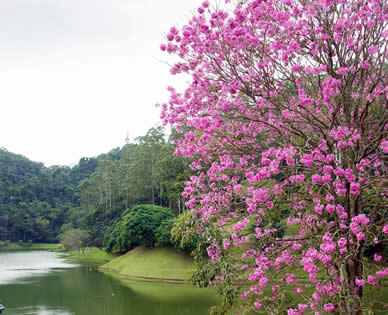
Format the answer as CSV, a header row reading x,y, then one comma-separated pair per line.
x,y
40,204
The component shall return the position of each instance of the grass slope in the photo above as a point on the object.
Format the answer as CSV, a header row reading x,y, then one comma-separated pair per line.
x,y
151,264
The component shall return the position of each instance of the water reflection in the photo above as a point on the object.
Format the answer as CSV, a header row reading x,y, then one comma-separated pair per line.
x,y
82,290
41,310
19,266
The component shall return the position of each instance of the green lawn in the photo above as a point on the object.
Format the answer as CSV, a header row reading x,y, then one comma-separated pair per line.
x,y
152,264
91,253
27,246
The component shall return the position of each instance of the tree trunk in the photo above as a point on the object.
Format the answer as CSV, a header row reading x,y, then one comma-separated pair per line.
x,y
354,270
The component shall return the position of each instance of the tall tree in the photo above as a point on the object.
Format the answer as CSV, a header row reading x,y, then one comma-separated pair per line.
x,y
287,110
148,154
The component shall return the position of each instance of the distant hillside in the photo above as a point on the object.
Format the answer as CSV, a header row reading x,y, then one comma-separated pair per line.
x,y
34,199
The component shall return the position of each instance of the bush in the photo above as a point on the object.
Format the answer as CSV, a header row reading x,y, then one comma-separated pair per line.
x,y
137,227
111,237
163,233
183,241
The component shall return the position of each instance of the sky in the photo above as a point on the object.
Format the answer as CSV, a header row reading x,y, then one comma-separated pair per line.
x,y
77,75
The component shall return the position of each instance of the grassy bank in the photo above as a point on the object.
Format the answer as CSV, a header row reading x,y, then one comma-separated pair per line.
x,y
91,253
29,246
156,264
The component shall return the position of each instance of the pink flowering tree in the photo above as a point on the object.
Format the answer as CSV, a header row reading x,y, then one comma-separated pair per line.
x,y
285,117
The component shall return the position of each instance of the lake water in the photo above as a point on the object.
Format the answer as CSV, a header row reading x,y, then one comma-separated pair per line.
x,y
44,283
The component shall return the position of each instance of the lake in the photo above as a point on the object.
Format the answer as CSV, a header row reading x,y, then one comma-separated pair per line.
x,y
45,283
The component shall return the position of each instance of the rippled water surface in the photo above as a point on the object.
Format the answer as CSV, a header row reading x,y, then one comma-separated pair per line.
x,y
45,283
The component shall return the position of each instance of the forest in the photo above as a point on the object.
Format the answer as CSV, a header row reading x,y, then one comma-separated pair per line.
x,y
41,204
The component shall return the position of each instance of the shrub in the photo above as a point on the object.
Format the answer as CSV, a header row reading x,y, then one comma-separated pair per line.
x,y
137,227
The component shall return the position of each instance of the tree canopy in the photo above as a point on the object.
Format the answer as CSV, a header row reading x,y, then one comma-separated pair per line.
x,y
138,226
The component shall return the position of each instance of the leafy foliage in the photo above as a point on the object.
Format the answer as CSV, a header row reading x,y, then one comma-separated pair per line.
x,y
74,239
137,227
163,233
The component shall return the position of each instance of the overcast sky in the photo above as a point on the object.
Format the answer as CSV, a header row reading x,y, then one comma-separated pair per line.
x,y
75,75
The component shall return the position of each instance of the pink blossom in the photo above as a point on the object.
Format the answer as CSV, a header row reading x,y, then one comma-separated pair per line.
x,y
360,282
237,188
258,304
343,250
330,208
360,219
355,188
307,160
382,273
377,257
341,144
329,307
339,171
316,297
364,64
360,236
328,248
384,146
372,49
170,37
349,175
342,242
326,178
245,295
263,282
372,280
302,307
318,209
296,246
327,169
316,179
385,229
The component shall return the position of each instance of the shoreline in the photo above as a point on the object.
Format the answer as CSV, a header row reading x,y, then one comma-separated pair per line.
x,y
142,279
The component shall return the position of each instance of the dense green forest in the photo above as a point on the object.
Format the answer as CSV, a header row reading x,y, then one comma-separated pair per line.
x,y
39,204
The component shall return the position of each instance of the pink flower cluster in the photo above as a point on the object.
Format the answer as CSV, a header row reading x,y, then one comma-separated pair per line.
x,y
358,226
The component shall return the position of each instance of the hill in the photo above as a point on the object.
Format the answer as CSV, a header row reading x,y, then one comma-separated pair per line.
x,y
151,264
